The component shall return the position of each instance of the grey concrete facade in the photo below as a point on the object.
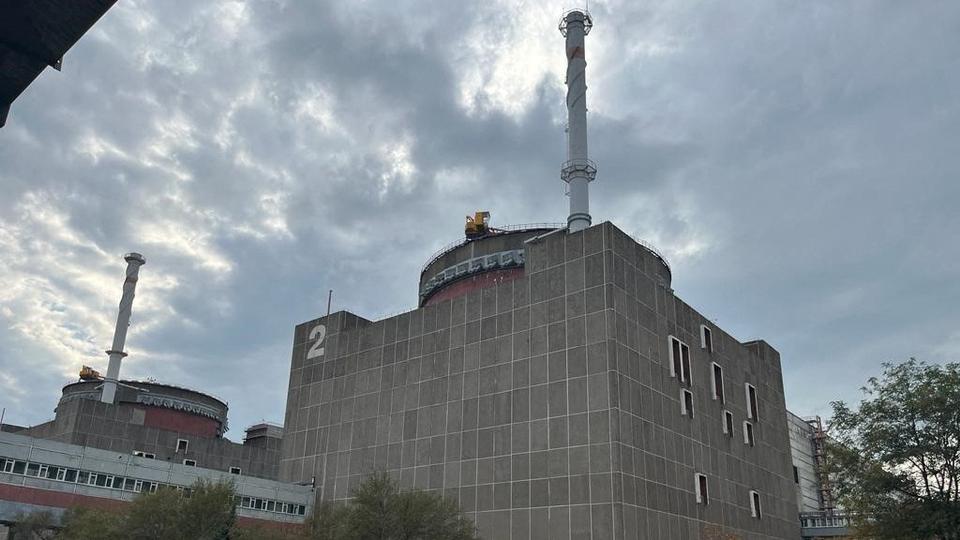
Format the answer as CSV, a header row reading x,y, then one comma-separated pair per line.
x,y
121,428
546,405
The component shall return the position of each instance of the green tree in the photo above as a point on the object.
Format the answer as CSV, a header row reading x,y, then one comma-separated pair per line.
x,y
207,514
380,511
86,523
33,526
896,458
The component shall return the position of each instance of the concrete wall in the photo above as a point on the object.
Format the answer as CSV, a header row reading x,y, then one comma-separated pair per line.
x,y
545,405
123,428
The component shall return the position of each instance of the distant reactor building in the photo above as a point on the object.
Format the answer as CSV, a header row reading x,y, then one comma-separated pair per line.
x,y
552,383
113,439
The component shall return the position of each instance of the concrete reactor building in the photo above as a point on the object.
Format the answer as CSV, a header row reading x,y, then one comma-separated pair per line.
x,y
553,384
113,439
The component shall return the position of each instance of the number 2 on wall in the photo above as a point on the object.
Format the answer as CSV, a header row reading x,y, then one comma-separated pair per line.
x,y
318,333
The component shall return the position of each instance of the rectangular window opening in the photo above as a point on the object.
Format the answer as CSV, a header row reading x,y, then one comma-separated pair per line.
x,y
796,475
675,369
706,338
728,423
753,410
686,376
190,462
182,445
701,487
718,383
235,470
747,433
755,505
686,404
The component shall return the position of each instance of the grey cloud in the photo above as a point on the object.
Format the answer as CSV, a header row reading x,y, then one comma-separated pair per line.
x,y
796,163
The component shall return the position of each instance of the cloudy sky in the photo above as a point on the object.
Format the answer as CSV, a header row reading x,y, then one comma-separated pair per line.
x,y
797,162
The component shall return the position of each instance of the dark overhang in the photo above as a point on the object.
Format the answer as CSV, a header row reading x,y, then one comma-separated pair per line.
x,y
35,34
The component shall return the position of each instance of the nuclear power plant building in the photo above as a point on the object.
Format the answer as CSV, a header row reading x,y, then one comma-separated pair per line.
x,y
552,383
569,395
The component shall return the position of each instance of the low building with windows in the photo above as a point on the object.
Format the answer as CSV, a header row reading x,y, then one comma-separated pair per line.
x,y
45,475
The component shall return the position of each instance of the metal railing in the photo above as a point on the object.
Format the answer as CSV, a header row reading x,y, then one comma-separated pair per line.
x,y
653,250
507,228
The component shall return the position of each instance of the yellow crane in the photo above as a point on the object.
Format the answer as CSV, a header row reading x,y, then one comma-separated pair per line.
x,y
477,225
87,373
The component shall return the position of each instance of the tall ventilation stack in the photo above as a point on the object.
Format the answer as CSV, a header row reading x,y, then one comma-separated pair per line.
x,y
134,262
578,171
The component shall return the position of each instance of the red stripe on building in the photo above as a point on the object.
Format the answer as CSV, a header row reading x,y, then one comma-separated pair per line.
x,y
480,281
181,422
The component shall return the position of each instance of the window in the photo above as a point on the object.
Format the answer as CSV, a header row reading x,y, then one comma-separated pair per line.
x,y
753,410
717,377
129,484
706,338
271,506
686,403
728,423
6,465
147,455
700,484
234,470
182,445
83,477
190,462
747,433
796,475
71,475
679,360
755,505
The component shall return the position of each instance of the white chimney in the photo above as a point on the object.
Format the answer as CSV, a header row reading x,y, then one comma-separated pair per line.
x,y
134,262
578,171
